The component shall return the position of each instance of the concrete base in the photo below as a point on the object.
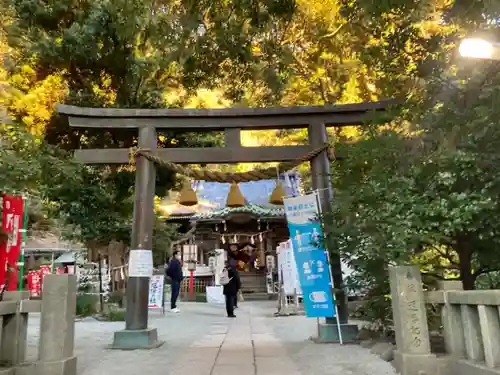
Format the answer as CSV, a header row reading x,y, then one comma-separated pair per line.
x,y
26,368
415,364
329,333
63,367
136,339
464,367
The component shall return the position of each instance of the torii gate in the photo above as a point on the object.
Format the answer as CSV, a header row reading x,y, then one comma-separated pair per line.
x,y
232,121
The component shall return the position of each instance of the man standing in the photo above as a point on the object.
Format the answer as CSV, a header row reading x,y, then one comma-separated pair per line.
x,y
174,271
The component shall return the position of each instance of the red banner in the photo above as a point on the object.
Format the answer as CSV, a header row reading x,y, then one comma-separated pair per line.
x,y
12,223
34,283
44,270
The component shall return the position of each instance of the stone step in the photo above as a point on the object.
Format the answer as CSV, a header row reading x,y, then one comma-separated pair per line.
x,y
260,296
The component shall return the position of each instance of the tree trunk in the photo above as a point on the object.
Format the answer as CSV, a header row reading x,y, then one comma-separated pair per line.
x,y
465,264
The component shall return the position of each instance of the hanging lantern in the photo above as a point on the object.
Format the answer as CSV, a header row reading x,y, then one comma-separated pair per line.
x,y
223,239
225,226
258,224
235,198
277,195
187,196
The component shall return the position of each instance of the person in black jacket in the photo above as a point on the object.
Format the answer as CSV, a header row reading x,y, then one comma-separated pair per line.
x,y
174,271
230,290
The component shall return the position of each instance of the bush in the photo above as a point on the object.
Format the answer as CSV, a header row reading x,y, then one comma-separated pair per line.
x,y
115,315
117,298
86,305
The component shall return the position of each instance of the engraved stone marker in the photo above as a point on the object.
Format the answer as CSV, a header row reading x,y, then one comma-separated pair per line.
x,y
410,320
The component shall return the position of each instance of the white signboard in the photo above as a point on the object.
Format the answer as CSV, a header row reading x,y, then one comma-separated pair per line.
x,y
220,260
215,295
287,269
140,263
156,284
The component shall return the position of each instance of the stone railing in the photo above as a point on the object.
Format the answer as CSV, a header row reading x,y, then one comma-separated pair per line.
x,y
57,329
470,322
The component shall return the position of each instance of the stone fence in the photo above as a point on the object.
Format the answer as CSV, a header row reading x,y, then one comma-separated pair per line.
x,y
57,329
470,323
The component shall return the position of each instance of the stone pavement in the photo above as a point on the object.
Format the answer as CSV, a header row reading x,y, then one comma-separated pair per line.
x,y
202,341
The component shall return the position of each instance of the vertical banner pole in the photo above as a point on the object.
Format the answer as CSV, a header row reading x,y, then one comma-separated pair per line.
x,y
23,241
191,283
327,253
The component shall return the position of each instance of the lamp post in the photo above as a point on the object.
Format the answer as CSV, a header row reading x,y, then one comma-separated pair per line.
x,y
480,49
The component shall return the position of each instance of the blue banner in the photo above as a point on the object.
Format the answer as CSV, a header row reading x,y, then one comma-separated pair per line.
x,y
302,214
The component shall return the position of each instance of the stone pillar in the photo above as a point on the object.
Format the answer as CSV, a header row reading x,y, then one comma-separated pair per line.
x,y
13,329
413,355
57,327
451,317
136,334
490,333
472,332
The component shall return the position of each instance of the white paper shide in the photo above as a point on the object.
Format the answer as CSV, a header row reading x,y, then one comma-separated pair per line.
x,y
140,263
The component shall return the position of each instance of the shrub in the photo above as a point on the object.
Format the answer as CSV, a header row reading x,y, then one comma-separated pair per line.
x,y
86,304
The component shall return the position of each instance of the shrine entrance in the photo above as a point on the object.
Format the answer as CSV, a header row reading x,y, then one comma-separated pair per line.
x,y
232,121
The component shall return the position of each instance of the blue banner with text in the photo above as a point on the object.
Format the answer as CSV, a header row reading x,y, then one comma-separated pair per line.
x,y
302,214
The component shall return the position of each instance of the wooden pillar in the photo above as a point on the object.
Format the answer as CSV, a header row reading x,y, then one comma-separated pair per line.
x,y
136,317
321,181
262,255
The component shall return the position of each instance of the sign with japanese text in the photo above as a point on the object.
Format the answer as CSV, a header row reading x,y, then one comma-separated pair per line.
x,y
156,283
10,251
140,263
306,233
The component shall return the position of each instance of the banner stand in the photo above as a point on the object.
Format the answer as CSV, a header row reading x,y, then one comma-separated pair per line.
x,y
313,264
327,253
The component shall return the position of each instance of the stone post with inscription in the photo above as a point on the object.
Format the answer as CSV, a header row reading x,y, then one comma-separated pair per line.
x,y
413,355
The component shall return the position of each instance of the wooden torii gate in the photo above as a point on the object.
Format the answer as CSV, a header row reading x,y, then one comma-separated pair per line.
x,y
232,121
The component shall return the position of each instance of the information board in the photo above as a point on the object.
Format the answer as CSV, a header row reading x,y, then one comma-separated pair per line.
x,y
156,292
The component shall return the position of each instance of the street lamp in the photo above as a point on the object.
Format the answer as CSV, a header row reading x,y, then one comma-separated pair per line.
x,y
480,49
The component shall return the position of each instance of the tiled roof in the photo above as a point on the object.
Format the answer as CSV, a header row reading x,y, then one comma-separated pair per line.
x,y
249,208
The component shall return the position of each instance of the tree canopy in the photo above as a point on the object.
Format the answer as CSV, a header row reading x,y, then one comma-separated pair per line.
x,y
420,189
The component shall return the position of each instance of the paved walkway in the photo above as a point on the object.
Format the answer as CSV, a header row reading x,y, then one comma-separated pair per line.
x,y
202,341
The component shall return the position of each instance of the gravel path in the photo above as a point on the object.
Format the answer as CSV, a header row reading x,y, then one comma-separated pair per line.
x,y
202,341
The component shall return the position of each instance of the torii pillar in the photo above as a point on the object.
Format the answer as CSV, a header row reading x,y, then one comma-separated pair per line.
x,y
321,181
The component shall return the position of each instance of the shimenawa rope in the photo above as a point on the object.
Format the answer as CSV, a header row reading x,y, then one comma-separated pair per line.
x,y
208,175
